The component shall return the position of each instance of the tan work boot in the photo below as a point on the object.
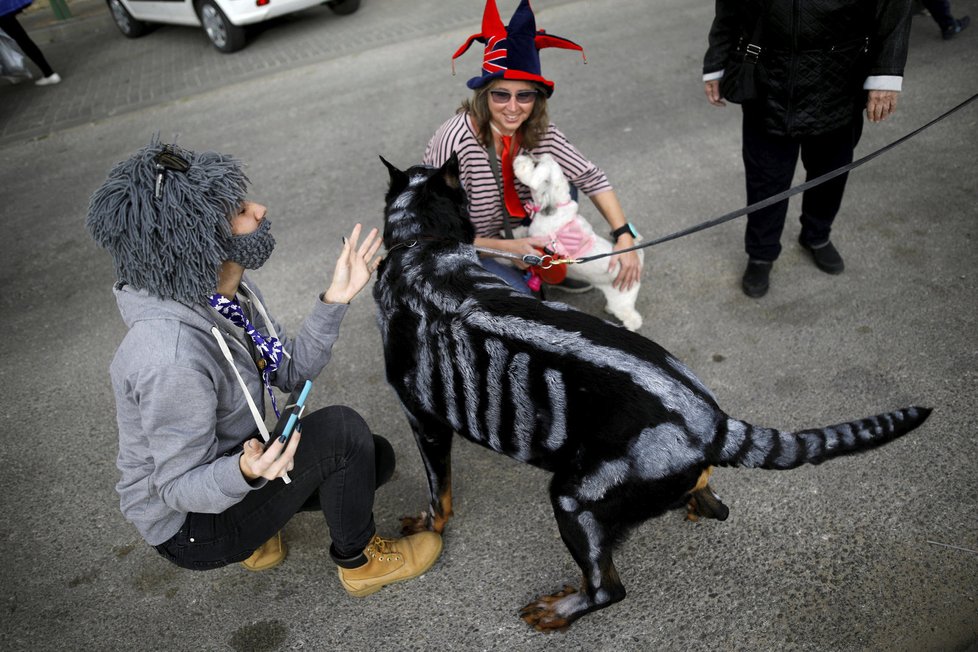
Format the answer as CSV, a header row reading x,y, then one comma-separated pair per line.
x,y
391,560
269,555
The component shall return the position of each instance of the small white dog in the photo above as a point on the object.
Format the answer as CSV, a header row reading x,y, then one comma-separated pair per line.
x,y
555,217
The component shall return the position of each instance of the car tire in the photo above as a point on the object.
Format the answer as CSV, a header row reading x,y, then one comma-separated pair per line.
x,y
129,26
223,34
343,7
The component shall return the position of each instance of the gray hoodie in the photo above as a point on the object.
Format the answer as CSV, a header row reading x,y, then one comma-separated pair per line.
x,y
181,409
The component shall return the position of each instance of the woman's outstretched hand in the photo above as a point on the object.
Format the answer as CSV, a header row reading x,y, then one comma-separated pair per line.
x,y
354,266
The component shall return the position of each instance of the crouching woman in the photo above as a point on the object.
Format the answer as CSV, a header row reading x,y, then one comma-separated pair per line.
x,y
202,354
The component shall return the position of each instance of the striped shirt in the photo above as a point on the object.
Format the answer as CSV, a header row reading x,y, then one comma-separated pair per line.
x,y
485,209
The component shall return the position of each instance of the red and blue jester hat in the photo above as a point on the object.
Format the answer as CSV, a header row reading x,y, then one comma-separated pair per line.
x,y
513,51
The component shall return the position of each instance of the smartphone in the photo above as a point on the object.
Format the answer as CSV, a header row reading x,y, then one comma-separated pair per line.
x,y
288,420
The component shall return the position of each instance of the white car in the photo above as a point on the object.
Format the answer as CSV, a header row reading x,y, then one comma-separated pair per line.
x,y
224,21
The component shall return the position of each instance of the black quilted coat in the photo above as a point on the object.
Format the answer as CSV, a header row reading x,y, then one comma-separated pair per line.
x,y
815,56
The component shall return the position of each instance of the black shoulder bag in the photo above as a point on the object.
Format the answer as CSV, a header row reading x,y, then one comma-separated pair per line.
x,y
738,84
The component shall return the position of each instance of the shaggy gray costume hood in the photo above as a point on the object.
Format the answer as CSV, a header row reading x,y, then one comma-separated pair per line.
x,y
168,230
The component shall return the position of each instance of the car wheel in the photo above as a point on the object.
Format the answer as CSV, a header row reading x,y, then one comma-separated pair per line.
x,y
343,7
129,26
224,35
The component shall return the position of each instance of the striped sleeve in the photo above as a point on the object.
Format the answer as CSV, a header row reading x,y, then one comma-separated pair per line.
x,y
584,174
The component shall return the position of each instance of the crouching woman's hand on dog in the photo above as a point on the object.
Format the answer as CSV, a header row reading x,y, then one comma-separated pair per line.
x,y
631,266
256,461
630,270
354,267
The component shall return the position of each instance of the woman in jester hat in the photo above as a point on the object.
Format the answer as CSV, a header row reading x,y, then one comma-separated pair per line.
x,y
507,116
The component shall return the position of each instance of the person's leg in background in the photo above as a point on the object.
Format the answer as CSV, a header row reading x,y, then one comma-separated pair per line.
x,y
769,166
819,205
940,11
14,30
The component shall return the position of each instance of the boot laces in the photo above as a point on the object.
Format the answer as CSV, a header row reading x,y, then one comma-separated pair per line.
x,y
379,547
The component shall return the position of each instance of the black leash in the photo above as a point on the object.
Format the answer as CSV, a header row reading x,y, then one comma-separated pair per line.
x,y
774,199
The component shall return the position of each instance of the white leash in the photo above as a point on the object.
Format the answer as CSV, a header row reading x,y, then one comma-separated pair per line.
x,y
264,315
262,428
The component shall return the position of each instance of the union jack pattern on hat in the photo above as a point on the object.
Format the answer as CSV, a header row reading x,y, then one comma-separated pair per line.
x,y
513,51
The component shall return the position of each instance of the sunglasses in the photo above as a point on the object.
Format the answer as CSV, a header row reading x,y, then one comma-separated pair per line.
x,y
168,160
523,97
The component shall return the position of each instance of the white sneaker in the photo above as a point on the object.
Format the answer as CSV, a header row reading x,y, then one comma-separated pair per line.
x,y
53,78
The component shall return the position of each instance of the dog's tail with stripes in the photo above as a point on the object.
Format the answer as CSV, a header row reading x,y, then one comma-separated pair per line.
x,y
739,443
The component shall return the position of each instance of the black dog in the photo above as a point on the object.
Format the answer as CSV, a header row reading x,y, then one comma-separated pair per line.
x,y
627,431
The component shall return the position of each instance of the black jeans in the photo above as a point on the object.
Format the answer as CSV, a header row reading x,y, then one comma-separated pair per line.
x,y
940,11
338,466
769,164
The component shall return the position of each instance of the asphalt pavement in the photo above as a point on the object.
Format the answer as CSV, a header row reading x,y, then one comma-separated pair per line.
x,y
872,552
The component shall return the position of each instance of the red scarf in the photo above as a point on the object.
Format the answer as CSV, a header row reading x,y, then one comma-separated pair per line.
x,y
510,196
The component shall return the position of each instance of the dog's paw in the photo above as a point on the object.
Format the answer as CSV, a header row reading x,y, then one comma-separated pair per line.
x,y
523,168
414,524
630,319
632,322
706,504
549,613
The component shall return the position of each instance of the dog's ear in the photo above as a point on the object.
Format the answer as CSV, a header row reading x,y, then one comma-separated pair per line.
x,y
445,180
399,180
449,172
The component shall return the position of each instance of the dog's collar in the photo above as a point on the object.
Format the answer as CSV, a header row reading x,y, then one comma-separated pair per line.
x,y
546,261
410,244
530,207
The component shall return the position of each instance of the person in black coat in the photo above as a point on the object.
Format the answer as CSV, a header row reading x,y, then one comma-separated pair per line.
x,y
821,62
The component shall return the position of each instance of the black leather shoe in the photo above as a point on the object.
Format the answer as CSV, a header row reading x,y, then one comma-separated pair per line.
x,y
826,257
572,286
958,26
756,278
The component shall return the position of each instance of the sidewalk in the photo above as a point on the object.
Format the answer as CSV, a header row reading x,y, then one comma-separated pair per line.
x,y
40,22
106,75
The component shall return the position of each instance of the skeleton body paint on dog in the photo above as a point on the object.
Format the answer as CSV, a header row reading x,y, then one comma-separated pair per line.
x,y
626,429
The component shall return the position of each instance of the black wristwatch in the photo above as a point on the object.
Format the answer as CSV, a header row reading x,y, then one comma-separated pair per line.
x,y
622,230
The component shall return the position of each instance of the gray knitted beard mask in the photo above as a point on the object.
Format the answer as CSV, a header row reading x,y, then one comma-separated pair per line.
x,y
251,250
164,216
